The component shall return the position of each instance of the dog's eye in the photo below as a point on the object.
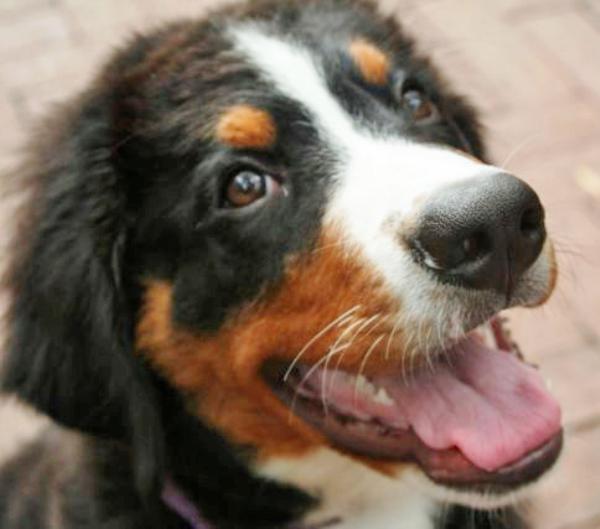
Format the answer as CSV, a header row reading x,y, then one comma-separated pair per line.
x,y
418,105
247,187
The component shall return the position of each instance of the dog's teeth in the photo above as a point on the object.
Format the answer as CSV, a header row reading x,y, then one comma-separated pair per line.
x,y
382,397
399,424
487,335
343,377
361,416
364,386
478,335
360,425
375,393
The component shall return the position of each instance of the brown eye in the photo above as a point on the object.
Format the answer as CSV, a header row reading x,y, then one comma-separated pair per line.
x,y
418,105
247,187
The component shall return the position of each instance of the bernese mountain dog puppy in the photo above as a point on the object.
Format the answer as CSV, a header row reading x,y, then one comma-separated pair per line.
x,y
257,283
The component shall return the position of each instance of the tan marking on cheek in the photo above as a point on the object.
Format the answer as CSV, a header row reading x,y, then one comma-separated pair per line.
x,y
220,372
246,127
372,62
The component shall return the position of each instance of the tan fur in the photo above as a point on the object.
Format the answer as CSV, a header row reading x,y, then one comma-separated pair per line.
x,y
221,371
372,62
246,127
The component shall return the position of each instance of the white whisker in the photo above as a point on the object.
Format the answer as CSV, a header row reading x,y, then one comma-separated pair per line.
x,y
364,362
337,346
343,317
372,319
427,349
391,337
310,372
520,146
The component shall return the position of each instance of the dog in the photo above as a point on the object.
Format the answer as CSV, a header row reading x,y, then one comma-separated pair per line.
x,y
256,283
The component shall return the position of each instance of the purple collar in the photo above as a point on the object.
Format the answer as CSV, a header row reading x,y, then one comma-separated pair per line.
x,y
176,500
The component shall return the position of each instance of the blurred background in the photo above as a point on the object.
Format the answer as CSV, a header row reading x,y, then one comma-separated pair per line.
x,y
532,67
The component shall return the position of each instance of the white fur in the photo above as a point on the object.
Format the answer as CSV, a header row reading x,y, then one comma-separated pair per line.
x,y
20,425
534,285
358,495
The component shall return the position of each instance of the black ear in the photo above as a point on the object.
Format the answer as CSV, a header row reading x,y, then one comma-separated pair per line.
x,y
70,347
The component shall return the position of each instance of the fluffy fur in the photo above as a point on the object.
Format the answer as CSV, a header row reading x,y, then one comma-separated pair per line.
x,y
142,310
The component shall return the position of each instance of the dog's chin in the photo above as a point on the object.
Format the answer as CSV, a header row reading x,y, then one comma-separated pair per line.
x,y
480,499
477,423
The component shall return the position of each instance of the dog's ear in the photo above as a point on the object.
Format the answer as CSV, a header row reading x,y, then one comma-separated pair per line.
x,y
70,322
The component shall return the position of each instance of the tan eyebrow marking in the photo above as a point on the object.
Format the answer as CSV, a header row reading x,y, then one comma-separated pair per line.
x,y
373,63
246,127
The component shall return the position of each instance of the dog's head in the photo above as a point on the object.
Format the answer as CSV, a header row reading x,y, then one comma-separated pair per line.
x,y
284,217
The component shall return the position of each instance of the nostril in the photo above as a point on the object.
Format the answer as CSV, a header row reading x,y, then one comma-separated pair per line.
x,y
531,221
442,252
481,233
474,246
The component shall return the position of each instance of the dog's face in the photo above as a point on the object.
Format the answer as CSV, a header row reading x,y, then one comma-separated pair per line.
x,y
319,254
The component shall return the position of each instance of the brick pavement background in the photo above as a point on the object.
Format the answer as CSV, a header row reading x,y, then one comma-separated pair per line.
x,y
532,67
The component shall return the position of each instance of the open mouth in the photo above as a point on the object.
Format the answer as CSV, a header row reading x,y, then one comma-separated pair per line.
x,y
478,416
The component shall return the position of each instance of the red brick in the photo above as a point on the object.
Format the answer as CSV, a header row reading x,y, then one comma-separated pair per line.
x,y
41,98
517,10
10,160
575,370
107,22
12,128
545,331
592,9
9,9
158,11
570,497
568,56
43,65
497,52
42,29
522,134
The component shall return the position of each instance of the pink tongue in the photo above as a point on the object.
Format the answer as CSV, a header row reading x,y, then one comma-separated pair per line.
x,y
494,408
489,404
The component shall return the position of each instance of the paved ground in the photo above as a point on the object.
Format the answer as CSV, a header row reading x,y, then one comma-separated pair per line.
x,y
532,66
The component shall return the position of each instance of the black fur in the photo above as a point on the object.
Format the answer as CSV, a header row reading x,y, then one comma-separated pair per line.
x,y
125,188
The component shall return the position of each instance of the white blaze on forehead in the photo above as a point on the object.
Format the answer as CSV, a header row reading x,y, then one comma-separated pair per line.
x,y
297,75
380,179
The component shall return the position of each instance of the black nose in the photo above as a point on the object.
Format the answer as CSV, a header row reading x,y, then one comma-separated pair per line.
x,y
482,233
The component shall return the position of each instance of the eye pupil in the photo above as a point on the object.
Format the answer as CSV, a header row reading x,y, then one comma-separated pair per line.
x,y
248,183
418,104
245,188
